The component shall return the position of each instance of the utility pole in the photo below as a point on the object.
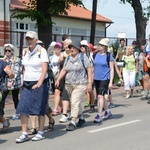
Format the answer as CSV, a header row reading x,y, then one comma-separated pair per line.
x,y
93,22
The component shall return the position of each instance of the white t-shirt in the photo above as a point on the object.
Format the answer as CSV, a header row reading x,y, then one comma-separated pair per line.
x,y
54,59
33,65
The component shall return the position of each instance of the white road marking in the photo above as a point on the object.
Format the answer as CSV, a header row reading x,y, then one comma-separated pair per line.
x,y
114,126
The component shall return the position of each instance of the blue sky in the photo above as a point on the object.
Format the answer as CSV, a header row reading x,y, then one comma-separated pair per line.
x,y
121,15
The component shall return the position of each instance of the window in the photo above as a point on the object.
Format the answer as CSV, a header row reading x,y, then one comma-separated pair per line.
x,y
21,27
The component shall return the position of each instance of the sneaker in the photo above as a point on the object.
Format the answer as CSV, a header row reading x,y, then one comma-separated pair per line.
x,y
80,122
5,127
144,98
148,102
111,105
16,117
127,96
22,138
97,119
142,93
107,115
86,105
38,137
70,127
63,119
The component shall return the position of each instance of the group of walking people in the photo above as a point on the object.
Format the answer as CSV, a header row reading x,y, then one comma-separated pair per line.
x,y
72,70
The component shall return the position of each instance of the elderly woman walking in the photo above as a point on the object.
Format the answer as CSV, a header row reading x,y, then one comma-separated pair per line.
x,y
15,83
78,79
34,94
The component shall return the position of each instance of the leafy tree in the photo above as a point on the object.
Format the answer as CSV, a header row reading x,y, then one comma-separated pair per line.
x,y
141,18
41,11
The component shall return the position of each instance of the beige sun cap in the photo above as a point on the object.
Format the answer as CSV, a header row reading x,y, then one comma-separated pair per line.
x,y
32,35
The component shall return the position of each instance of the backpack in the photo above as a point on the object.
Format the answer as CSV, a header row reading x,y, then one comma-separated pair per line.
x,y
26,49
107,58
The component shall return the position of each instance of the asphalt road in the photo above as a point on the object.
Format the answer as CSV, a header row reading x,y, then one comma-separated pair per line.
x,y
127,129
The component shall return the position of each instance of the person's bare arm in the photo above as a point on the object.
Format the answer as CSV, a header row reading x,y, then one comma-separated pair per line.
x,y
90,79
111,64
9,72
61,75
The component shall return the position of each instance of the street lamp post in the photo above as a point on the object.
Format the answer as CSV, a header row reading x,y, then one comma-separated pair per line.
x,y
93,21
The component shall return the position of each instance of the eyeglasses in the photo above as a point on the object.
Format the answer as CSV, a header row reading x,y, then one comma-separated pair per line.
x,y
8,50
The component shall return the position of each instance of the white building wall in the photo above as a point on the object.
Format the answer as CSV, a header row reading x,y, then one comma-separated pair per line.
x,y
1,9
66,25
7,2
76,23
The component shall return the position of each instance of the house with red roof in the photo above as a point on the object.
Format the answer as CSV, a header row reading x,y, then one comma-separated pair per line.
x,y
76,24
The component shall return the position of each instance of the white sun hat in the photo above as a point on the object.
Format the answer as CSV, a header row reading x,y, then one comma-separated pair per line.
x,y
9,45
84,42
52,43
104,41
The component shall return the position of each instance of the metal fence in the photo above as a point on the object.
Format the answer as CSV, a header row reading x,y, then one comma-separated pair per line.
x,y
18,40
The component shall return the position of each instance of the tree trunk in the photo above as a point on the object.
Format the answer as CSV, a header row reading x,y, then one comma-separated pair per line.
x,y
140,21
44,31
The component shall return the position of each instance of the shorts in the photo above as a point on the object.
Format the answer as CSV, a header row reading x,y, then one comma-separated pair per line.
x,y
64,95
63,92
101,86
109,92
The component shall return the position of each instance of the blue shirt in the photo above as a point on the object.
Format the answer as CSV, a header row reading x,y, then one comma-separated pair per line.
x,y
101,67
3,64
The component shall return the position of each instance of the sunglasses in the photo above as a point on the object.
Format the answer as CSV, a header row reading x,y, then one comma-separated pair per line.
x,y
8,50
82,46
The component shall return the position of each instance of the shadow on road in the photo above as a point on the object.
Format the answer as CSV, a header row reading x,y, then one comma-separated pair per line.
x,y
58,131
2,141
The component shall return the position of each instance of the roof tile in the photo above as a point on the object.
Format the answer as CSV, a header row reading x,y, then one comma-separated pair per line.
x,y
73,12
